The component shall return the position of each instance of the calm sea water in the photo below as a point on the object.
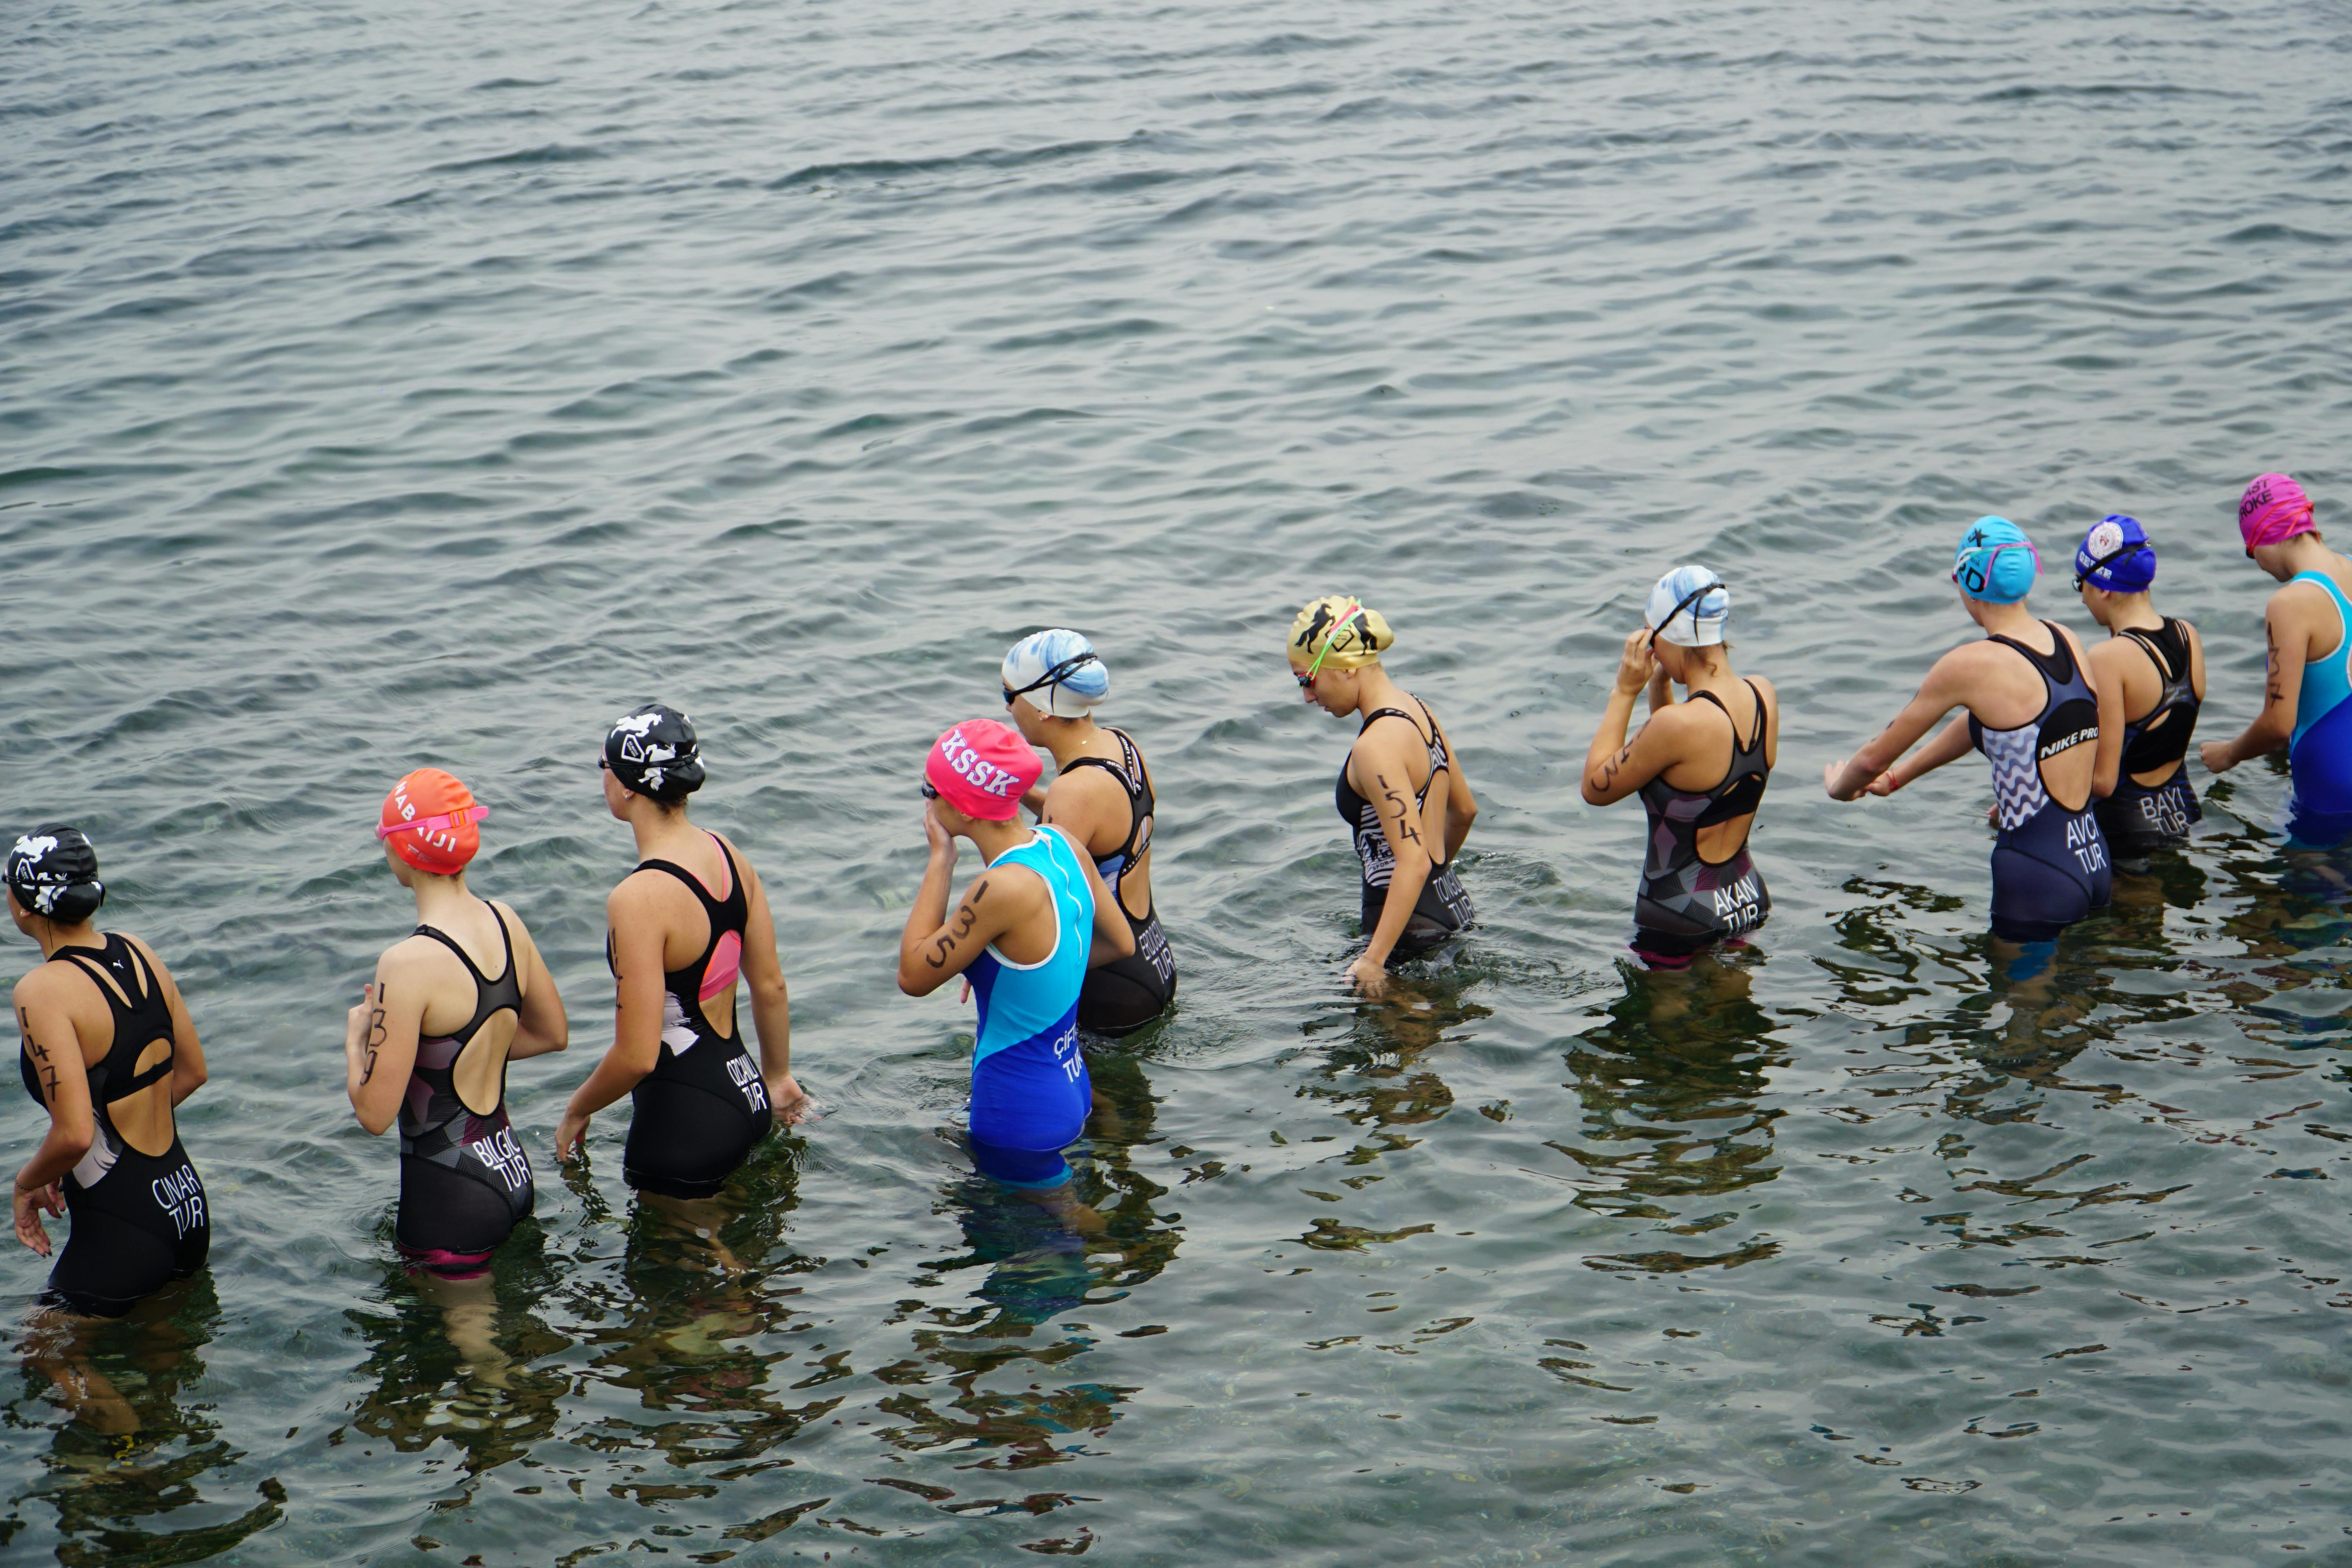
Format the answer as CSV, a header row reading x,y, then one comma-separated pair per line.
x,y
430,383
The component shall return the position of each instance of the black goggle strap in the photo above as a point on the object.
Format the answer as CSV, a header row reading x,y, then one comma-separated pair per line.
x,y
1690,602
1058,674
2103,561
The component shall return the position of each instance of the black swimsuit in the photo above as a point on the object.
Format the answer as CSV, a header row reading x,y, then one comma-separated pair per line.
x,y
1685,903
1443,908
464,1179
1122,996
2138,818
140,1221
704,1108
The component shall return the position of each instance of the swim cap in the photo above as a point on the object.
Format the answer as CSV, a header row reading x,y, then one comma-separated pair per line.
x,y
653,752
2273,510
1337,631
1058,671
53,870
982,768
1995,563
2115,555
432,822
1688,607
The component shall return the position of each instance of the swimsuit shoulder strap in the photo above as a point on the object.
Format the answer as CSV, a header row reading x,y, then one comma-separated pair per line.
x,y
2156,651
482,980
693,883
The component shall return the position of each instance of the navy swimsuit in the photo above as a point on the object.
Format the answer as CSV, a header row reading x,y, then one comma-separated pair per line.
x,y
2049,863
2138,818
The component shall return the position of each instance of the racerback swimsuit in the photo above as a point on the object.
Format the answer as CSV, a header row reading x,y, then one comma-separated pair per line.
x,y
1685,902
2319,756
2049,864
1444,907
2138,818
140,1221
1029,1092
704,1108
1123,995
465,1180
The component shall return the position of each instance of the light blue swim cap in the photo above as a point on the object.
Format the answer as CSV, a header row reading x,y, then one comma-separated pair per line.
x,y
1995,561
1688,607
1058,672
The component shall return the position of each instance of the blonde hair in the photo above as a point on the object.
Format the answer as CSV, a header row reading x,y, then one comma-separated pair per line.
x,y
1344,633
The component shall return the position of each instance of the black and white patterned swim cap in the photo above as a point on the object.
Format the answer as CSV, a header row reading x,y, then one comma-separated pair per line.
x,y
653,752
53,871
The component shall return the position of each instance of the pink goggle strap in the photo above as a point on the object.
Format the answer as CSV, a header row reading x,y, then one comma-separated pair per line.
x,y
435,824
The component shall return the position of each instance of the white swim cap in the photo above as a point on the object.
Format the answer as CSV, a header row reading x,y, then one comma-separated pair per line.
x,y
1688,607
1058,671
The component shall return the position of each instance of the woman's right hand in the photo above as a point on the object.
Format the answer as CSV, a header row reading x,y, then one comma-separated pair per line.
x,y
1633,667
29,1207
570,1135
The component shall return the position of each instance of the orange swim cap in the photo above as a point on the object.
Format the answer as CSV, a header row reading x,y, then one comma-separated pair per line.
x,y
430,818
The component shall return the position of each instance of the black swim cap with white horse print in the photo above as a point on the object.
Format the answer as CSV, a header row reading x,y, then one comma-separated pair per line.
x,y
653,752
53,871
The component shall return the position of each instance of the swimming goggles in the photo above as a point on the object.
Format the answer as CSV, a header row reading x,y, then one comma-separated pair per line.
x,y
1307,681
2109,559
1690,602
1053,677
1980,576
435,824
931,790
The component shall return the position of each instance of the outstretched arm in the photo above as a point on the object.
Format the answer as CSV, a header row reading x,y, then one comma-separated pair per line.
x,y
1870,767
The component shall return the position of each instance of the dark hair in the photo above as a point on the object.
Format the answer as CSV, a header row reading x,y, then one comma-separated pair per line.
x,y
53,871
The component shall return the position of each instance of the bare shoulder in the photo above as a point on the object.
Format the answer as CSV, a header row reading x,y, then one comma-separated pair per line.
x,y
511,920
411,956
742,861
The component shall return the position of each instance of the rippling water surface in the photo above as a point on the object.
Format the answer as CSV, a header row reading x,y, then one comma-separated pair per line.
x,y
432,384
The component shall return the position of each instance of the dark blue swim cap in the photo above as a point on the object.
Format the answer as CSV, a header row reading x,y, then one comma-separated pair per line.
x,y
2115,555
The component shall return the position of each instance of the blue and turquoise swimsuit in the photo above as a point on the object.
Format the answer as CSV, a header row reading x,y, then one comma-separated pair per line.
x,y
2320,754
1030,1094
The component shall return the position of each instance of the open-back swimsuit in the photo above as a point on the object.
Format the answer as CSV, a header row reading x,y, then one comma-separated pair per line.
x,y
465,1180
1685,903
1444,907
1123,995
2049,864
2138,817
139,1221
704,1108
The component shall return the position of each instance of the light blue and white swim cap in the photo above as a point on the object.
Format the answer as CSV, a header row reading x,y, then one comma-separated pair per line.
x,y
1995,561
1058,671
1688,607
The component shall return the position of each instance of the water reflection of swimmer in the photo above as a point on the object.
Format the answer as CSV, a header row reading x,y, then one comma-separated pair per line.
x,y
1700,766
2307,695
681,928
1412,901
1670,1086
1025,933
2156,665
430,1042
118,1482
2053,745
109,1051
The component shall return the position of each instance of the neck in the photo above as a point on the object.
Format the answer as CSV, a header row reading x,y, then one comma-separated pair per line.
x,y
657,829
1067,738
1704,669
2305,553
52,936
438,898
2132,613
994,838
2005,620
1374,689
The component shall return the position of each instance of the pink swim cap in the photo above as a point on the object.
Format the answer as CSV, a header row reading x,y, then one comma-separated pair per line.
x,y
982,768
2272,510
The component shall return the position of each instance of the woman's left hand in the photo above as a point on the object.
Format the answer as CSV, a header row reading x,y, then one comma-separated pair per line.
x,y
570,1135
1369,977
789,1101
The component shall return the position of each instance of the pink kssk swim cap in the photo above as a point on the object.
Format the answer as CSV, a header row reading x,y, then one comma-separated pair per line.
x,y
982,768
2273,510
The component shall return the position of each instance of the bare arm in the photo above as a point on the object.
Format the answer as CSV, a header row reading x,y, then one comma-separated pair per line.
x,y
380,1041
1614,768
1939,694
1378,771
772,1003
935,947
54,1048
541,1027
1114,938
2287,635
2107,686
633,930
